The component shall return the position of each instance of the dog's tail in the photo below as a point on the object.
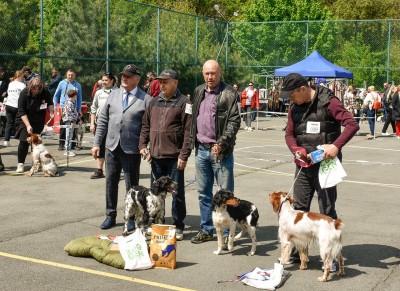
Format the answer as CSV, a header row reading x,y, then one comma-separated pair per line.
x,y
339,224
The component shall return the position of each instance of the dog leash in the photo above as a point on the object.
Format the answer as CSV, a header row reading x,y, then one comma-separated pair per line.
x,y
295,179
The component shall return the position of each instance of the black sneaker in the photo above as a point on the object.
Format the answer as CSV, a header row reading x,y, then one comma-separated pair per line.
x,y
61,147
97,175
201,237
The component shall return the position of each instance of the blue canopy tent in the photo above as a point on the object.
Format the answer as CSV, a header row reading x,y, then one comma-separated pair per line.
x,y
315,66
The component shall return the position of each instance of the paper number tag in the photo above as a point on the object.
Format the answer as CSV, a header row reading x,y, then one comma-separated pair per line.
x,y
313,127
188,109
43,106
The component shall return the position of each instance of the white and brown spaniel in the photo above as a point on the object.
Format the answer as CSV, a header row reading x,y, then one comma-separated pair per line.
x,y
229,211
41,156
299,229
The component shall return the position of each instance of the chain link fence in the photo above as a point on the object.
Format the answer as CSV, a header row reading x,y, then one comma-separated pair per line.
x,y
94,36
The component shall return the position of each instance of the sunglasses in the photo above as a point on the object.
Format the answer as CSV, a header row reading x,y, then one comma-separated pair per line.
x,y
251,85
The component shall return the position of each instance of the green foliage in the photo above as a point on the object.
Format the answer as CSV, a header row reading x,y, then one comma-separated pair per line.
x,y
364,9
281,33
80,33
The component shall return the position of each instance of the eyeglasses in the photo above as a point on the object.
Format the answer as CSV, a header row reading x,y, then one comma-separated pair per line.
x,y
251,85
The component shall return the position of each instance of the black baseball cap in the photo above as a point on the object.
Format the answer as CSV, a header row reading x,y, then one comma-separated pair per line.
x,y
290,83
168,74
130,70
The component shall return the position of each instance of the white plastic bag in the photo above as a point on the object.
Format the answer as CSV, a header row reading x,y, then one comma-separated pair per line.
x,y
134,251
330,173
264,279
47,131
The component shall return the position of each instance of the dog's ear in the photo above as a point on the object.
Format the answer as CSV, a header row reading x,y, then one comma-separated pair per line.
x,y
217,199
156,184
232,201
275,200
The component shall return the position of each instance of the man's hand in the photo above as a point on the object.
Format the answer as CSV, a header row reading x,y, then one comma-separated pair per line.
x,y
181,164
330,151
92,128
95,152
216,149
145,154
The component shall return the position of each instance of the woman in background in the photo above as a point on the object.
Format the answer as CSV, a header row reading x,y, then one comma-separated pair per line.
x,y
250,101
33,103
14,90
99,100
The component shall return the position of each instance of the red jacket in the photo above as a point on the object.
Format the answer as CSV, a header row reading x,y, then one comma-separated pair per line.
x,y
154,88
255,102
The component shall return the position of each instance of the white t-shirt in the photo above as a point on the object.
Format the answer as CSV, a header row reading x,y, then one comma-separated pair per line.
x,y
250,94
14,90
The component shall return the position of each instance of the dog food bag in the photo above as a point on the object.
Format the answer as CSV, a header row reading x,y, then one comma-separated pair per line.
x,y
163,246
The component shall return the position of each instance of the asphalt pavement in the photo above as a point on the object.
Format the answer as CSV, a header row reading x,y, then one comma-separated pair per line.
x,y
39,216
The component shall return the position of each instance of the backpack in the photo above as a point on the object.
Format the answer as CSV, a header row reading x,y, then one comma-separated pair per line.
x,y
377,103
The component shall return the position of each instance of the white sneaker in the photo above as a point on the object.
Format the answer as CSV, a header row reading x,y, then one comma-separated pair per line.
x,y
334,267
69,154
249,129
385,134
6,143
20,168
246,128
179,234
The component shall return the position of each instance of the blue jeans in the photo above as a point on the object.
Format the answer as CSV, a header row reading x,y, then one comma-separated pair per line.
x,y
371,121
68,135
116,161
168,167
207,169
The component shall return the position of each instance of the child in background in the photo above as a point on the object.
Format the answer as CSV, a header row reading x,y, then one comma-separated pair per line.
x,y
70,116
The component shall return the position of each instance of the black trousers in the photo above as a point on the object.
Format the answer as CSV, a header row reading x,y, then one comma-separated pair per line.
x,y
306,184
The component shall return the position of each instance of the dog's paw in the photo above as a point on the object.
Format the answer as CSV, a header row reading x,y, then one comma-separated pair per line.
x,y
322,279
303,266
340,272
250,253
217,252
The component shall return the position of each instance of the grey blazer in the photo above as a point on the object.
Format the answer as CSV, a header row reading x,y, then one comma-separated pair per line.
x,y
121,126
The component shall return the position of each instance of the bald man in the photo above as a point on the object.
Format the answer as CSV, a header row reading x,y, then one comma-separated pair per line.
x,y
215,123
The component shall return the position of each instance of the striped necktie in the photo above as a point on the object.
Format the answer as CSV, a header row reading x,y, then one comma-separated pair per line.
x,y
126,100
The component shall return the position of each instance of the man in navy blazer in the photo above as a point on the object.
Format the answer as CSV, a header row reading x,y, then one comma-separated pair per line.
x,y
120,121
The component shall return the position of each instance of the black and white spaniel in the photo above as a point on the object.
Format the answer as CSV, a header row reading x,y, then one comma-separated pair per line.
x,y
229,211
144,203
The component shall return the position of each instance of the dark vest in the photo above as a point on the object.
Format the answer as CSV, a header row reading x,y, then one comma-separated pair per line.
x,y
317,110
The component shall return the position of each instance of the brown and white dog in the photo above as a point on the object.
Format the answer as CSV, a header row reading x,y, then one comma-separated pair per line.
x,y
229,211
41,156
301,228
